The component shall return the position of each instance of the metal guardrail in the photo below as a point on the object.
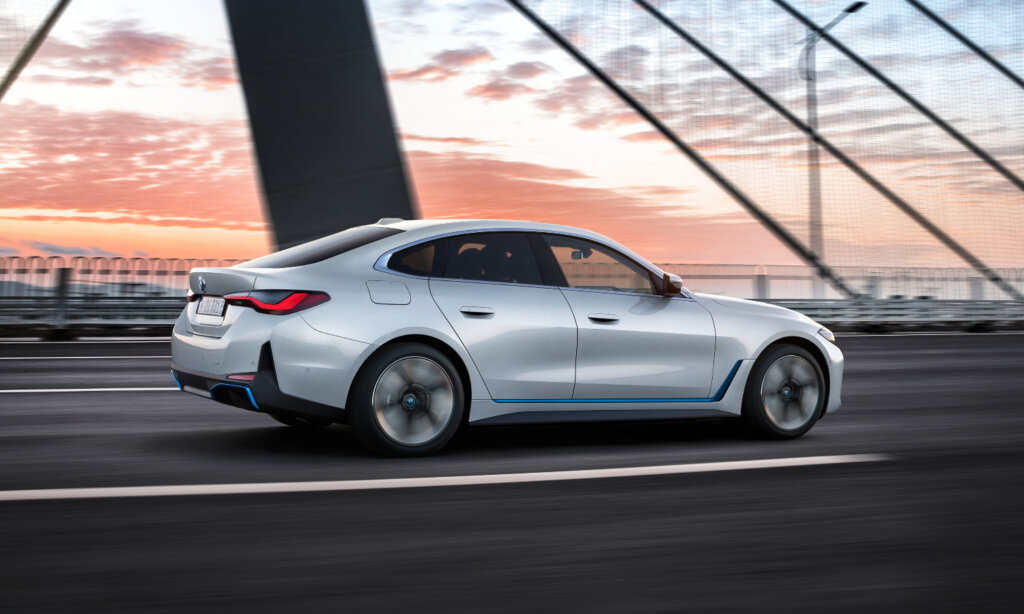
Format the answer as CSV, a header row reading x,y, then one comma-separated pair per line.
x,y
98,276
55,297
910,314
88,316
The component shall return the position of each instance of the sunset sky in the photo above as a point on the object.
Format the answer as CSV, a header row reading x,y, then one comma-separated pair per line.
x,y
127,136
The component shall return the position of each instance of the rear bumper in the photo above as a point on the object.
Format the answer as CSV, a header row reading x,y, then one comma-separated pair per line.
x,y
261,394
298,370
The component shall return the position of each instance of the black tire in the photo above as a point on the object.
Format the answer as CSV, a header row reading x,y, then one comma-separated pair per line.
x,y
301,422
780,406
419,404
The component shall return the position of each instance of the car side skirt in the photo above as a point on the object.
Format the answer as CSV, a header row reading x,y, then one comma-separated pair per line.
x,y
727,401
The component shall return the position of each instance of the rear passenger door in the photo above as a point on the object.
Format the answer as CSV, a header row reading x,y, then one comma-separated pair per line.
x,y
519,332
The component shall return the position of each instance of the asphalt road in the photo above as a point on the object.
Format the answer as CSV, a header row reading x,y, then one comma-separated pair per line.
x,y
936,527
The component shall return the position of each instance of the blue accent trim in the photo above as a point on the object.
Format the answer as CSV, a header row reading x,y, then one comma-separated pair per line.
x,y
718,395
247,390
175,376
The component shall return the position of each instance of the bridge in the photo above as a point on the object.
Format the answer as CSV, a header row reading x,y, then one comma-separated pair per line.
x,y
880,143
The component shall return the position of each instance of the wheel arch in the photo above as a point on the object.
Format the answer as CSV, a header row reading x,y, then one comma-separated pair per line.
x,y
438,345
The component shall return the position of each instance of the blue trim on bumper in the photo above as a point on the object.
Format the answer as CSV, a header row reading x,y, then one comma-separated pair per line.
x,y
245,388
718,395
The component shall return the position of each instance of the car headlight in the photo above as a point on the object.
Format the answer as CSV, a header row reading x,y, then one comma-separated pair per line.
x,y
826,333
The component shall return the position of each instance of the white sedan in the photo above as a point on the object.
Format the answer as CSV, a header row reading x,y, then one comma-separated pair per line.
x,y
409,330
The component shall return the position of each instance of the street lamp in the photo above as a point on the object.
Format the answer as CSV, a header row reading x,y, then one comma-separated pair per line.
x,y
807,71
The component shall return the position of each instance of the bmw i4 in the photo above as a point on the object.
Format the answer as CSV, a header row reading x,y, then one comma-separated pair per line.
x,y
408,331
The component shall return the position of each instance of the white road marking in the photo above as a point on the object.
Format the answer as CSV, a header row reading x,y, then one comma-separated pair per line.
x,y
79,357
47,390
104,341
425,482
851,335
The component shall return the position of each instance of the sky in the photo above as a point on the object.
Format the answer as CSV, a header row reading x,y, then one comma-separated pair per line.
x,y
127,135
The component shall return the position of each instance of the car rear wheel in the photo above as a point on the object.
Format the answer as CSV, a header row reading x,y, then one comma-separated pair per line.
x,y
300,422
785,393
407,400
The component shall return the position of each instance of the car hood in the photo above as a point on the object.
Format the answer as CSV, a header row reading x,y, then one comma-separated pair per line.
x,y
715,303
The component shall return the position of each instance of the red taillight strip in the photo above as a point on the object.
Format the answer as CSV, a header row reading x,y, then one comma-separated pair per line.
x,y
296,301
289,302
243,377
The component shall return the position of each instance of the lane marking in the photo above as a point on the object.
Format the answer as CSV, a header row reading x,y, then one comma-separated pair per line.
x,y
112,340
427,482
852,335
48,390
80,357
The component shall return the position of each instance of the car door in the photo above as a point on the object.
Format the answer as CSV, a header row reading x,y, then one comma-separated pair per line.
x,y
632,342
520,333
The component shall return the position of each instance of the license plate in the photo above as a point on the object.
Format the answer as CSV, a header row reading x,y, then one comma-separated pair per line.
x,y
211,306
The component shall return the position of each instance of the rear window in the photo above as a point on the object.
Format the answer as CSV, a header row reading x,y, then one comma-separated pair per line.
x,y
322,249
420,260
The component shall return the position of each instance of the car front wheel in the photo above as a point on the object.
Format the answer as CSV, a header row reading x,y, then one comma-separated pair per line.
x,y
785,392
407,400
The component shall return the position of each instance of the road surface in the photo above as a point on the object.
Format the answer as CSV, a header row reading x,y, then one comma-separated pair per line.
x,y
934,524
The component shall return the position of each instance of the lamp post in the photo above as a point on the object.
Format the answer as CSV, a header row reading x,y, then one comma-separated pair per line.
x,y
808,72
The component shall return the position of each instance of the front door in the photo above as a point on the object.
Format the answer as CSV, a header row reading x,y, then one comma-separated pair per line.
x,y
633,343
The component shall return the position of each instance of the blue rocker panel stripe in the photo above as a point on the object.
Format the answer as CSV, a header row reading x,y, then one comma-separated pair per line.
x,y
718,395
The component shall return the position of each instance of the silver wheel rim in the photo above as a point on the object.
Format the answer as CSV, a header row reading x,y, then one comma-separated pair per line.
x,y
790,392
413,400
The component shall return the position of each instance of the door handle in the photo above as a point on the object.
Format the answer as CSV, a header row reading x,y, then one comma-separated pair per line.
x,y
604,318
477,311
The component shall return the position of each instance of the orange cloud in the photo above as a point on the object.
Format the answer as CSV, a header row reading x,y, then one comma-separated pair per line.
x,y
443,65
656,221
143,168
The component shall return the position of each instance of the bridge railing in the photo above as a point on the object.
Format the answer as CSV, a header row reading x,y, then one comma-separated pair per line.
x,y
100,277
43,295
155,277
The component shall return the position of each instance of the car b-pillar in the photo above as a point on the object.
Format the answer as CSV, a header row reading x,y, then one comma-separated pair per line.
x,y
319,114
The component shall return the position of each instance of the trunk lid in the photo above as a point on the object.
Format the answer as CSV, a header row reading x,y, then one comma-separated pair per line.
x,y
211,285
220,282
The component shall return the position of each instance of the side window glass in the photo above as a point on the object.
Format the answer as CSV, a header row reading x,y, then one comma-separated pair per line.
x,y
492,256
586,264
416,260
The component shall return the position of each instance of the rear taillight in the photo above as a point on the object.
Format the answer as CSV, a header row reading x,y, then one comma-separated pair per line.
x,y
192,296
278,302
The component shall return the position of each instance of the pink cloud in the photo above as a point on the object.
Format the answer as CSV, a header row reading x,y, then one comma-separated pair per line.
x,y
146,167
211,74
526,70
92,81
114,51
499,89
443,65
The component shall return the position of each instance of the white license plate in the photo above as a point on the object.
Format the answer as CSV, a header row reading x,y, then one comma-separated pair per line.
x,y
211,306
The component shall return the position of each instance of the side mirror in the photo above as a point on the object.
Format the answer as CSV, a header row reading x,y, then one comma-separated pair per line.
x,y
672,285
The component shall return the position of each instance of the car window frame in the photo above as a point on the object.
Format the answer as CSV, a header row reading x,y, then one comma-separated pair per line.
x,y
440,255
550,279
652,279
